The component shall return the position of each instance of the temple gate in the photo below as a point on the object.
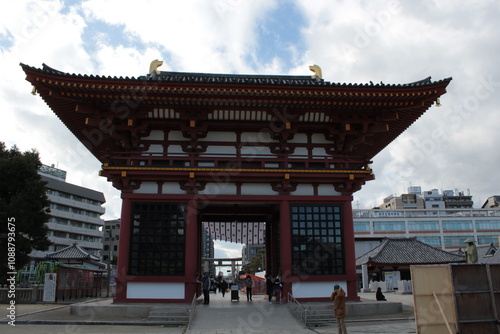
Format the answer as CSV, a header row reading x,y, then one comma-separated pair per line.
x,y
282,153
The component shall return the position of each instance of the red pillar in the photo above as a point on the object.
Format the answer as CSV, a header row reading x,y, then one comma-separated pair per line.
x,y
191,255
350,255
285,248
123,252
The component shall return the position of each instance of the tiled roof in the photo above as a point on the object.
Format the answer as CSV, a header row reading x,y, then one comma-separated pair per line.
x,y
407,251
488,254
245,79
72,252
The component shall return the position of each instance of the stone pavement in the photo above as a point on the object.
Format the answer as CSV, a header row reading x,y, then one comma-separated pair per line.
x,y
220,317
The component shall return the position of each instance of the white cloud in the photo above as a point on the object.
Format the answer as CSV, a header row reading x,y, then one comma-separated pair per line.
x,y
224,249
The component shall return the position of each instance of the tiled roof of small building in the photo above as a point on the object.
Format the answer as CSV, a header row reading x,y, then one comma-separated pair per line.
x,y
407,251
72,252
488,254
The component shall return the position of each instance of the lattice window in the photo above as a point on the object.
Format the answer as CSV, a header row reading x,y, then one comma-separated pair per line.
x,y
317,239
157,241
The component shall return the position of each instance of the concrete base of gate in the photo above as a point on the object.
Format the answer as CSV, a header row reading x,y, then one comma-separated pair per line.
x,y
363,308
106,308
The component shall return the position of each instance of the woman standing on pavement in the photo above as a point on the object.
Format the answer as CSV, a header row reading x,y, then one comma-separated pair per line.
x,y
338,298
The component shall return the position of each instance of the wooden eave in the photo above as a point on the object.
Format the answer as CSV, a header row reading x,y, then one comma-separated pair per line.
x,y
75,98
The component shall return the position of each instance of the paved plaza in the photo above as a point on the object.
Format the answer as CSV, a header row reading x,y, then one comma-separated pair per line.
x,y
221,316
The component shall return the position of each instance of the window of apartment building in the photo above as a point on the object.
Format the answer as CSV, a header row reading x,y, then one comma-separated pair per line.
x,y
457,225
157,241
389,226
79,199
61,221
488,224
454,241
61,207
74,236
362,227
487,239
317,239
433,241
59,234
423,226
91,214
89,238
78,211
91,226
76,224
63,195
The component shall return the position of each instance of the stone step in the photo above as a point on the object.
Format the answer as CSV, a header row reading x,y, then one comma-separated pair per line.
x,y
171,316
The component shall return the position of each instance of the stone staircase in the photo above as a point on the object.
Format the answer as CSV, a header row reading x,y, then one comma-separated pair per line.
x,y
322,314
319,315
169,316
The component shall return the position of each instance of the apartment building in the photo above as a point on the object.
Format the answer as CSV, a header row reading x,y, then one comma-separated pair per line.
x,y
75,214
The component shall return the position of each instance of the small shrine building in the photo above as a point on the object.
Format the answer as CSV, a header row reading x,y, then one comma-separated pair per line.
x,y
256,158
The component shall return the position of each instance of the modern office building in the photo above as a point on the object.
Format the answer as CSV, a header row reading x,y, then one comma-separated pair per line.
x,y
445,222
431,199
75,214
248,251
208,251
111,239
492,202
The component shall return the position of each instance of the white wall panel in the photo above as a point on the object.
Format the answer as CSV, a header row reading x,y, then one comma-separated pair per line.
x,y
315,289
155,135
219,188
155,290
147,188
257,189
327,190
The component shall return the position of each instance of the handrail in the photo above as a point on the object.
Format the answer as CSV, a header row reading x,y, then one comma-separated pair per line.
x,y
192,311
296,308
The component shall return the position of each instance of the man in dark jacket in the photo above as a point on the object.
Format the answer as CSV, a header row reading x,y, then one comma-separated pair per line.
x,y
338,298
205,286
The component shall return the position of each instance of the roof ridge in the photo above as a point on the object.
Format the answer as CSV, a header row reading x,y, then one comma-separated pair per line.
x,y
271,79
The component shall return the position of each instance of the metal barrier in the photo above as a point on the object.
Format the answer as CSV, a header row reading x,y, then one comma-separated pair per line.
x,y
192,311
297,310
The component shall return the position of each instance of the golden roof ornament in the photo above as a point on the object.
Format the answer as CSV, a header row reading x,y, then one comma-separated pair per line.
x,y
154,67
318,75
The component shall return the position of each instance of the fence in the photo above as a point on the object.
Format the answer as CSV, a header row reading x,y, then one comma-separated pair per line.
x,y
72,284
79,283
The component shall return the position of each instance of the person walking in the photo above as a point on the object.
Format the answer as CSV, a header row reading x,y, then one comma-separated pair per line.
x,y
223,287
248,287
338,298
278,286
205,286
269,288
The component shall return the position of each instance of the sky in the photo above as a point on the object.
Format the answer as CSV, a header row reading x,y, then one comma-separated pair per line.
x,y
353,41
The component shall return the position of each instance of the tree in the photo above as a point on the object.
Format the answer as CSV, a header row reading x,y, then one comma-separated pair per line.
x,y
24,206
256,263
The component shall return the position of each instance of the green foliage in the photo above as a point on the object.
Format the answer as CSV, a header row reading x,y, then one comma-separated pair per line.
x,y
23,198
257,262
